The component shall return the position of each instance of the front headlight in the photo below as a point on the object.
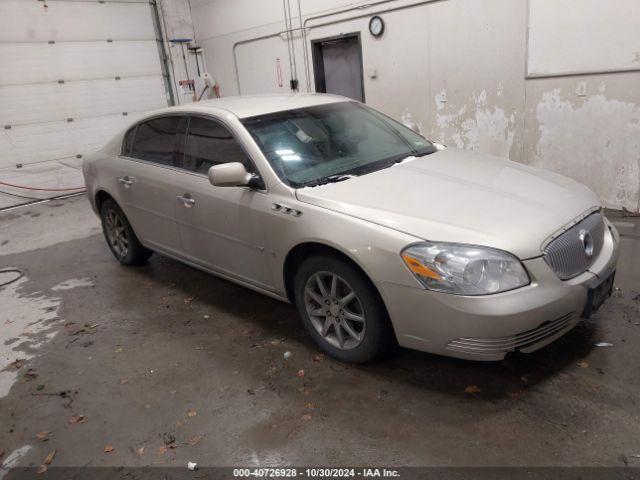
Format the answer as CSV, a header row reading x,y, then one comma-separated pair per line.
x,y
464,269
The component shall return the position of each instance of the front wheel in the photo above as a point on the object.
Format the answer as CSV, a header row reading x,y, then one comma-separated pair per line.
x,y
342,310
120,237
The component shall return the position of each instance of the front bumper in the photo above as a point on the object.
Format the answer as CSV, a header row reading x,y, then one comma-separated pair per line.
x,y
489,327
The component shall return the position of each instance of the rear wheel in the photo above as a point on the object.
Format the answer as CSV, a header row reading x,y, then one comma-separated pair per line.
x,y
342,310
120,237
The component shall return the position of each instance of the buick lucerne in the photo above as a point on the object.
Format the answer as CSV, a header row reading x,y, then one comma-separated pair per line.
x,y
377,235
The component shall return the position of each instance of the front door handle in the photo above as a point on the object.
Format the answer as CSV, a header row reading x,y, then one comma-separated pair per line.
x,y
187,200
126,181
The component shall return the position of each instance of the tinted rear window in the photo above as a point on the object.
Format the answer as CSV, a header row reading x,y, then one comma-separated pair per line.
x,y
155,140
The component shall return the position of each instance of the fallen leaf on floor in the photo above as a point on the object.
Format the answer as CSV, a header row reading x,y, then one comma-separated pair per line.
x,y
118,350
43,436
140,451
16,364
76,418
195,440
603,344
189,300
124,381
41,469
317,358
40,387
306,417
192,413
583,364
30,375
49,458
472,389
86,329
168,438
310,406
161,450
108,449
301,373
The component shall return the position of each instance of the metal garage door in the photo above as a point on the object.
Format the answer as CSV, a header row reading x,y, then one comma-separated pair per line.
x,y
72,74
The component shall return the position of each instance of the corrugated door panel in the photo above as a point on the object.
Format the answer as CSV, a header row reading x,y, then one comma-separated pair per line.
x,y
68,21
60,60
24,63
51,102
56,140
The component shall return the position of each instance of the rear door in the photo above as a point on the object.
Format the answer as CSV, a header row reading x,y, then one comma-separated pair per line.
x,y
221,228
145,179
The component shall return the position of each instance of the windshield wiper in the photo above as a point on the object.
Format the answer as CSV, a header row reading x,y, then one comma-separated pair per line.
x,y
329,179
409,157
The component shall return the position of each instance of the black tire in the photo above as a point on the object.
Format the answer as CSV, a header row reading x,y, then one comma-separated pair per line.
x,y
135,253
378,336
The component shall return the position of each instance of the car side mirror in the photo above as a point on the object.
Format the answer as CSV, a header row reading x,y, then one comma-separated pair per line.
x,y
232,174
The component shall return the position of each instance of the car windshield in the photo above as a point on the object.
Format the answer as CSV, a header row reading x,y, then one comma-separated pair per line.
x,y
331,142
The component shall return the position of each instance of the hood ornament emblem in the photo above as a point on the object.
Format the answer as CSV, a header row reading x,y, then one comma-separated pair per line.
x,y
587,242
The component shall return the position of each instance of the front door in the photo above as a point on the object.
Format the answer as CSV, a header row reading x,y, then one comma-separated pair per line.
x,y
221,228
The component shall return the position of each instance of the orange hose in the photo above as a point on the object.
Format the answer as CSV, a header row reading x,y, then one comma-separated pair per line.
x,y
42,189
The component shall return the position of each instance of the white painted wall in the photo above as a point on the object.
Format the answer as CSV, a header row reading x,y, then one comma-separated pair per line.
x,y
458,70
568,36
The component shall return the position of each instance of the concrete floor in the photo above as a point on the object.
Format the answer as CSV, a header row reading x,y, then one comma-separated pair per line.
x,y
161,351
62,176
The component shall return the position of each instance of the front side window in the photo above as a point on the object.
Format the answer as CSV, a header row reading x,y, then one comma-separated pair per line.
x,y
315,145
155,140
209,143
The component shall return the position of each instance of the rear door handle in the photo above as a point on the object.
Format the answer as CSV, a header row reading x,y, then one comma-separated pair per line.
x,y
187,200
126,181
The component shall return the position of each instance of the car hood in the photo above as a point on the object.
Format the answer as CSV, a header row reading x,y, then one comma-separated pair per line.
x,y
460,196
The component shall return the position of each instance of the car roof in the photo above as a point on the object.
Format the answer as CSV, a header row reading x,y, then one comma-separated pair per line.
x,y
252,105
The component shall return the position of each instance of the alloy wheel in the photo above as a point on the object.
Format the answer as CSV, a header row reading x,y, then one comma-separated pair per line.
x,y
335,310
116,233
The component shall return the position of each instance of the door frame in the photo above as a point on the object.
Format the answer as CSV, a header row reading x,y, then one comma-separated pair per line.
x,y
318,60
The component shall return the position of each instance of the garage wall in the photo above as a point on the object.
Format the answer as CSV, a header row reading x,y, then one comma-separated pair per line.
x,y
583,36
537,81
73,67
73,73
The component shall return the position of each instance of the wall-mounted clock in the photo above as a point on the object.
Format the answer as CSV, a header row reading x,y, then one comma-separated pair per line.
x,y
376,26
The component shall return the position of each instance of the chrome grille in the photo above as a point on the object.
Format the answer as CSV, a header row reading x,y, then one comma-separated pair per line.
x,y
493,346
566,254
